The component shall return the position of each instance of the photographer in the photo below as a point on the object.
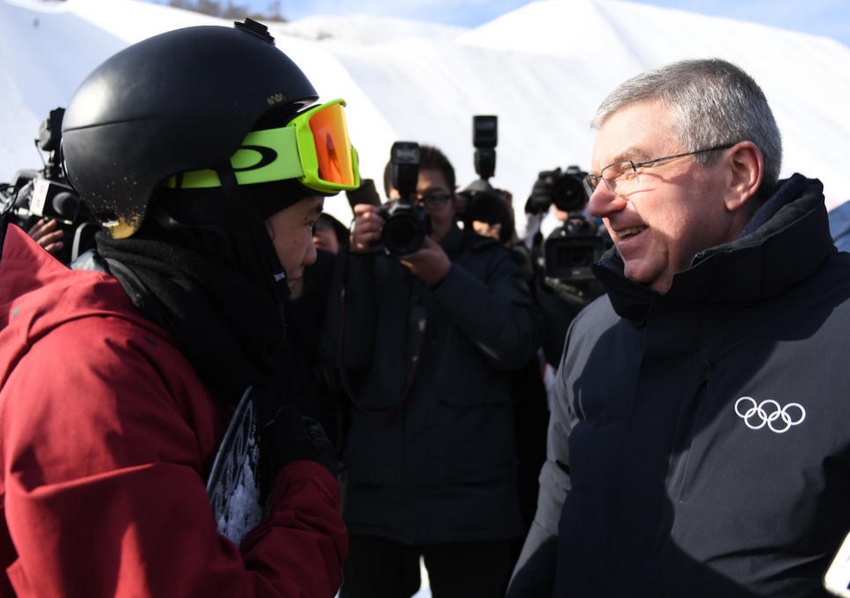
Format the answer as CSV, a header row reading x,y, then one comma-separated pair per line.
x,y
43,202
47,234
427,343
564,283
488,212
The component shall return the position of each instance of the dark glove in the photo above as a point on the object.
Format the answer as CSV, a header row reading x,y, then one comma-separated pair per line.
x,y
297,437
541,192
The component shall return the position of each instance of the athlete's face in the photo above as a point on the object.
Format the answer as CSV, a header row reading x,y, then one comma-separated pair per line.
x,y
291,232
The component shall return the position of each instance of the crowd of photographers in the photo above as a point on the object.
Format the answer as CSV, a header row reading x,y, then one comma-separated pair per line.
x,y
441,329
428,324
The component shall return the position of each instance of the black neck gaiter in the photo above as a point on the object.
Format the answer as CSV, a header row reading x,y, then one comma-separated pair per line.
x,y
226,324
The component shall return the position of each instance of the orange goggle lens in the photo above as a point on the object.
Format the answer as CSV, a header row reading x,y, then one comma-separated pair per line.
x,y
334,161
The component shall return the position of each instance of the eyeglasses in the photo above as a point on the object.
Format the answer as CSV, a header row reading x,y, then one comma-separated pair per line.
x,y
624,175
435,201
312,148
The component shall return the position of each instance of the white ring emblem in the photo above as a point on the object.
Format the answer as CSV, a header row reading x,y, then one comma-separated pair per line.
x,y
769,413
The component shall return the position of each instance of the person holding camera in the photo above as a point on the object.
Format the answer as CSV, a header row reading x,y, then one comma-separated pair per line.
x,y
426,343
564,283
44,204
148,444
329,234
699,443
489,212
46,232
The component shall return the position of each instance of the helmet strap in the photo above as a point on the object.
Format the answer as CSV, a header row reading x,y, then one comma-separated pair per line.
x,y
258,247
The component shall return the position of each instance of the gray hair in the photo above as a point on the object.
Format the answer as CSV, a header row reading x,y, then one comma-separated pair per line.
x,y
713,103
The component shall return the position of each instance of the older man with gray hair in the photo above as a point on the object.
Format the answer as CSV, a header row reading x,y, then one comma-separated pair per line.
x,y
699,443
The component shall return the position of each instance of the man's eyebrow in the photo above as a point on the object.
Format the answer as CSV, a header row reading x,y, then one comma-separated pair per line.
x,y
623,156
633,154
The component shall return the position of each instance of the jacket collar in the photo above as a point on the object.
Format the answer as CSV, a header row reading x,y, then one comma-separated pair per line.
x,y
762,262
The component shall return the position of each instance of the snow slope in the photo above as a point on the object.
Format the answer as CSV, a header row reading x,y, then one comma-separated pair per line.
x,y
542,69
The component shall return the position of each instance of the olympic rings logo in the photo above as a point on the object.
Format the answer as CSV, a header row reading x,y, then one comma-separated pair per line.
x,y
769,413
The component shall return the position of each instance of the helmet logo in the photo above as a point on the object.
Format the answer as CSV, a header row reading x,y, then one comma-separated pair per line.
x,y
266,154
277,98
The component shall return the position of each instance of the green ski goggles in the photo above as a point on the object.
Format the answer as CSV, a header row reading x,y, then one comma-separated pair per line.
x,y
312,148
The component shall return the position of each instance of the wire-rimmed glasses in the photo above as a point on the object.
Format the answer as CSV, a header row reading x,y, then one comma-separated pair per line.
x,y
623,175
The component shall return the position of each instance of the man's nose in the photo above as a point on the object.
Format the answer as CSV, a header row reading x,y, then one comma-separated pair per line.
x,y
603,202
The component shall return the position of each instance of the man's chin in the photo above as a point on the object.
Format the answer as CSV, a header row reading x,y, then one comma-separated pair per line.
x,y
641,274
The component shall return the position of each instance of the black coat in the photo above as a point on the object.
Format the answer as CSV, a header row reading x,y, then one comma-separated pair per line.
x,y
431,449
700,443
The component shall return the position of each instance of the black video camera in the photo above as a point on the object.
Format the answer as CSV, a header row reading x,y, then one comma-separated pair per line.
x,y
570,250
484,203
47,194
405,224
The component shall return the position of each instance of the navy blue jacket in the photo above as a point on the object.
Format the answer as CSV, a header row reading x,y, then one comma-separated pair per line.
x,y
700,442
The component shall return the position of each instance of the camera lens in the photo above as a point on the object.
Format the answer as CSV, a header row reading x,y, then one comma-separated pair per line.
x,y
403,233
568,193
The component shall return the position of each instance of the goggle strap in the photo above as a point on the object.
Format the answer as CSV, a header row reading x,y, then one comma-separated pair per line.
x,y
267,155
284,163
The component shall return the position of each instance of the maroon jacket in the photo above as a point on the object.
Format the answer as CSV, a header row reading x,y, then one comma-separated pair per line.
x,y
106,438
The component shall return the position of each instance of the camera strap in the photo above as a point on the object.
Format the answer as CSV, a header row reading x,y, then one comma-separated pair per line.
x,y
416,326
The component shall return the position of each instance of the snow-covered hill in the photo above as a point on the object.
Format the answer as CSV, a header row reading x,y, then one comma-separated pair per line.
x,y
542,69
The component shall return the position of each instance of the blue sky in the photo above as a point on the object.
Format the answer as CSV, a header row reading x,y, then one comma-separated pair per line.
x,y
820,17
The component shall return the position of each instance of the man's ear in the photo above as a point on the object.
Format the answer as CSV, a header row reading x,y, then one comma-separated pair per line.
x,y
746,168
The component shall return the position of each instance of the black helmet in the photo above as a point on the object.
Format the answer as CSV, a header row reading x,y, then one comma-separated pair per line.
x,y
180,101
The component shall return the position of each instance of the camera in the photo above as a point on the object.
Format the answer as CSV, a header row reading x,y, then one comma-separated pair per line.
x,y
47,194
405,224
570,250
568,191
484,203
564,189
567,254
